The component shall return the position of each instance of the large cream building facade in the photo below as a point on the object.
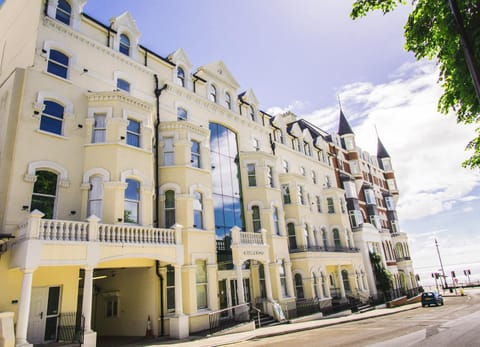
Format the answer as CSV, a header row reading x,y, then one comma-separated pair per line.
x,y
134,189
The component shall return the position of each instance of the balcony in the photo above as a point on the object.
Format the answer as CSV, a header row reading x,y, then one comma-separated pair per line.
x,y
301,249
69,241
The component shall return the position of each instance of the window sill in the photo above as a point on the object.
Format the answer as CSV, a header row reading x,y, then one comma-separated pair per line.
x,y
43,132
66,80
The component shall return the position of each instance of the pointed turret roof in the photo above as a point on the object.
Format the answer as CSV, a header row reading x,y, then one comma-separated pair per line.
x,y
343,125
381,151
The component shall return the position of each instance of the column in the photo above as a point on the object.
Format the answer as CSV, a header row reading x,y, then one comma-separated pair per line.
x,y
240,292
268,281
24,307
178,290
340,282
289,278
87,298
320,286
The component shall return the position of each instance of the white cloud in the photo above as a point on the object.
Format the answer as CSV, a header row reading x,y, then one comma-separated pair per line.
x,y
295,106
427,148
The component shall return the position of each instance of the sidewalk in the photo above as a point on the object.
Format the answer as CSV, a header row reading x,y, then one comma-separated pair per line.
x,y
276,330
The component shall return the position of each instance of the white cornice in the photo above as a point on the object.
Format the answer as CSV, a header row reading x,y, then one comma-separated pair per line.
x,y
119,96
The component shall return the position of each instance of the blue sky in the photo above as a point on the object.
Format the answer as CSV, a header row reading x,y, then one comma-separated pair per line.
x,y
299,55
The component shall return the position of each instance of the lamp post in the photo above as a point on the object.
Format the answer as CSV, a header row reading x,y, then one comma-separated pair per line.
x,y
441,266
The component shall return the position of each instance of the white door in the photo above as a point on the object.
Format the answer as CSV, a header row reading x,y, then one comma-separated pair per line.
x,y
36,319
44,312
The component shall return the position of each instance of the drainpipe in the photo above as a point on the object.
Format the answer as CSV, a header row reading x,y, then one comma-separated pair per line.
x,y
46,8
158,91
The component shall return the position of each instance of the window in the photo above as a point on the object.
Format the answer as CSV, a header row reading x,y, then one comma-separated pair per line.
x,y
336,238
168,151
375,220
252,178
350,190
328,182
276,224
182,114
111,306
387,164
64,12
181,76
124,46
212,96
325,239
279,136
228,100
195,154
330,205
299,286
169,208
356,218
354,167
133,133
370,197
99,130
306,235
349,143
286,194
283,279
256,144
394,225
123,85
318,200
95,197
346,282
44,193
170,288
261,280
314,177
316,286
58,63
270,176
301,195
256,221
197,210
342,205
52,117
201,283
296,144
292,238
302,171
132,201
307,149
285,166
252,114
391,184
390,203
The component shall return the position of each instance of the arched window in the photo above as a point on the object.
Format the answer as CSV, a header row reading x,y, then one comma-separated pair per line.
x,y
228,100
123,85
213,93
95,197
169,208
64,12
346,282
197,210
336,238
181,76
124,46
279,136
316,286
256,221
299,286
132,202
58,63
45,193
182,114
52,117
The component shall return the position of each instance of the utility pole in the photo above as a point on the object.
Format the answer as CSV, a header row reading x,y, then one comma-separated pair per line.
x,y
441,266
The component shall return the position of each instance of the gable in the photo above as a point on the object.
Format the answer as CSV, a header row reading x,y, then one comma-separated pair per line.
x,y
179,57
218,71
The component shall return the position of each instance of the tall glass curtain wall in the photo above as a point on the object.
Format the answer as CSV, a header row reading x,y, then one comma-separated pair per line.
x,y
226,189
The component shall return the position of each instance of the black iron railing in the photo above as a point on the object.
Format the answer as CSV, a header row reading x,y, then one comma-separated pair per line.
x,y
228,317
300,249
71,326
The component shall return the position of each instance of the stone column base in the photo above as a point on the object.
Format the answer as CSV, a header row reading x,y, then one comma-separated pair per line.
x,y
89,339
7,334
179,327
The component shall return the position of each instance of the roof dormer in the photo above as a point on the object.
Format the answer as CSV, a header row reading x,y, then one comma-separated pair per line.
x,y
66,11
128,35
181,74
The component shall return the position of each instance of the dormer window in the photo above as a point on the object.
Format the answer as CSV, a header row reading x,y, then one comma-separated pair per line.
x,y
123,85
124,46
181,76
212,96
228,100
252,113
64,12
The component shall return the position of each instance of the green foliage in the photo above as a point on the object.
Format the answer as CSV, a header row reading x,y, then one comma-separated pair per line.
x,y
430,32
383,277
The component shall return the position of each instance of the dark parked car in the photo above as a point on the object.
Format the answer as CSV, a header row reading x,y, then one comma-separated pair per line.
x,y
431,298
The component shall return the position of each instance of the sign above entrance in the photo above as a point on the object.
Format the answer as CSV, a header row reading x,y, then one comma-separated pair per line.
x,y
253,252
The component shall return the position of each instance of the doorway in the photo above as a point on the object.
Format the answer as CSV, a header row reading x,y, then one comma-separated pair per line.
x,y
44,313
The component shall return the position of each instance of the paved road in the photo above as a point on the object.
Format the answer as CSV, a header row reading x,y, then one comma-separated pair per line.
x,y
457,323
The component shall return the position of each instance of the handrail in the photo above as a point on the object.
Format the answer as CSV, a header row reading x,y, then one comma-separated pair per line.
x,y
227,309
258,313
